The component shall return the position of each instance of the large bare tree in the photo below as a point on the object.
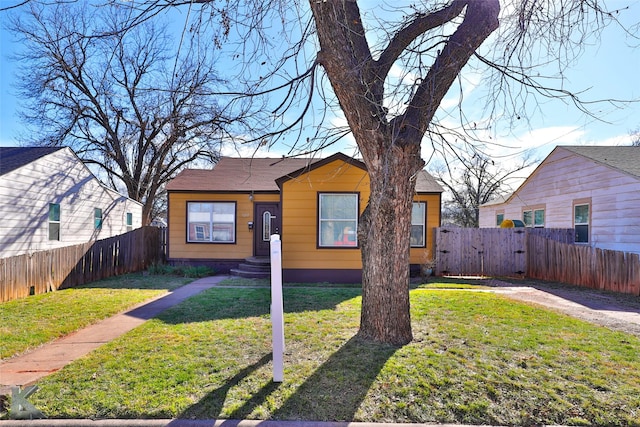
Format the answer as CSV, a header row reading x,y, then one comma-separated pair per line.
x,y
390,114
474,179
124,100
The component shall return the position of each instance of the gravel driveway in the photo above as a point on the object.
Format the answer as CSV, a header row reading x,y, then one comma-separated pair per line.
x,y
615,311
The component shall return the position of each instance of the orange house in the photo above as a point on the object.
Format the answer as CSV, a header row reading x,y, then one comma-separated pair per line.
x,y
224,217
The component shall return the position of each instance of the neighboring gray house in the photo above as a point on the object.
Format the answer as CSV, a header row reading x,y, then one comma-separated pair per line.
x,y
595,190
49,199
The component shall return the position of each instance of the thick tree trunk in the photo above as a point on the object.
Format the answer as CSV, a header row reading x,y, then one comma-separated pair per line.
x,y
384,237
390,147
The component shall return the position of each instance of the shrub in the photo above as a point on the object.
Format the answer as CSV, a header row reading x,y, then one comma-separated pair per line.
x,y
198,271
181,270
161,269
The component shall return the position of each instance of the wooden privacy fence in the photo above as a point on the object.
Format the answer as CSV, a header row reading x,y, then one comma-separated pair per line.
x,y
583,266
538,253
65,267
487,251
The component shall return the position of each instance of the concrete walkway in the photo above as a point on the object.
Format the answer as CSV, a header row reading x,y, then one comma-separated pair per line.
x,y
28,368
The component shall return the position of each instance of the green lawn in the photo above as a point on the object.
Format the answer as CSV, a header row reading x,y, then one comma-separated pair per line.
x,y
477,358
32,321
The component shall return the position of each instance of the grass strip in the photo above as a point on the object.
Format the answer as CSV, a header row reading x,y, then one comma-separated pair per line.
x,y
477,358
29,322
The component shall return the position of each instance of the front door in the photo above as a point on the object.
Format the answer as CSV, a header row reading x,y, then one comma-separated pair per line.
x,y
267,222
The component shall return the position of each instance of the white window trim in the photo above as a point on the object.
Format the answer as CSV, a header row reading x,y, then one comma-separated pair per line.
x,y
423,224
58,221
587,223
321,220
211,225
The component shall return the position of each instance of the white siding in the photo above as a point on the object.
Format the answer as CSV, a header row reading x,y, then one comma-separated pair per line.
x,y
564,177
60,177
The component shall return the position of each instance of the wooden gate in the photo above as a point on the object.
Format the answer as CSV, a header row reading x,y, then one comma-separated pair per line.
x,y
489,251
480,251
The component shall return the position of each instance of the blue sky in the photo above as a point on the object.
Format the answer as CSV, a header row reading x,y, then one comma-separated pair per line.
x,y
608,69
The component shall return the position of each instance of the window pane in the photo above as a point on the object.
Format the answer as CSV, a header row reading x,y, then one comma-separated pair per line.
x,y
417,213
54,212
539,218
582,234
54,231
338,233
527,218
129,219
222,232
417,235
97,218
499,219
581,214
199,232
266,226
338,206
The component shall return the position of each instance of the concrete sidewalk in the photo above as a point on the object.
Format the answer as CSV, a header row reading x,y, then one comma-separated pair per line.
x,y
32,366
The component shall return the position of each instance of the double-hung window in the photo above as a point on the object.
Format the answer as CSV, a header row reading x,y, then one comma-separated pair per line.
x,y
499,218
129,221
418,215
54,221
338,220
581,222
213,222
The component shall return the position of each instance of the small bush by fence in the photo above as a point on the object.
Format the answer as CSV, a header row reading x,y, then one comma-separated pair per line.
x,y
65,267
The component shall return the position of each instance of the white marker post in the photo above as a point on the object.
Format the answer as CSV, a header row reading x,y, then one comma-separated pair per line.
x,y
277,309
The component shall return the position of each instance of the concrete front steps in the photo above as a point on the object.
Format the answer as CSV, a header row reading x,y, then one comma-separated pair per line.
x,y
255,267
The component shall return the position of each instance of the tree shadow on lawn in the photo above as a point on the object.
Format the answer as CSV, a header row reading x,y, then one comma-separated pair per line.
x,y
238,303
334,391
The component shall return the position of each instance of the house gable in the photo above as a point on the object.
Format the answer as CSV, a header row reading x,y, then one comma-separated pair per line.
x,y
338,157
59,178
567,178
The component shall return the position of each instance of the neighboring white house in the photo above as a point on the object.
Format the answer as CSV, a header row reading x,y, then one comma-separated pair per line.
x,y
595,190
49,199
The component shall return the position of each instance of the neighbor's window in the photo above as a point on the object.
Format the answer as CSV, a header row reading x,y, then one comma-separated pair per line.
x,y
581,223
211,222
499,219
129,221
97,218
418,215
54,221
338,220
533,218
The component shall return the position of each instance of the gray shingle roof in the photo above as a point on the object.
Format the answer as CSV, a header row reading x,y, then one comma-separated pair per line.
x,y
625,158
12,158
